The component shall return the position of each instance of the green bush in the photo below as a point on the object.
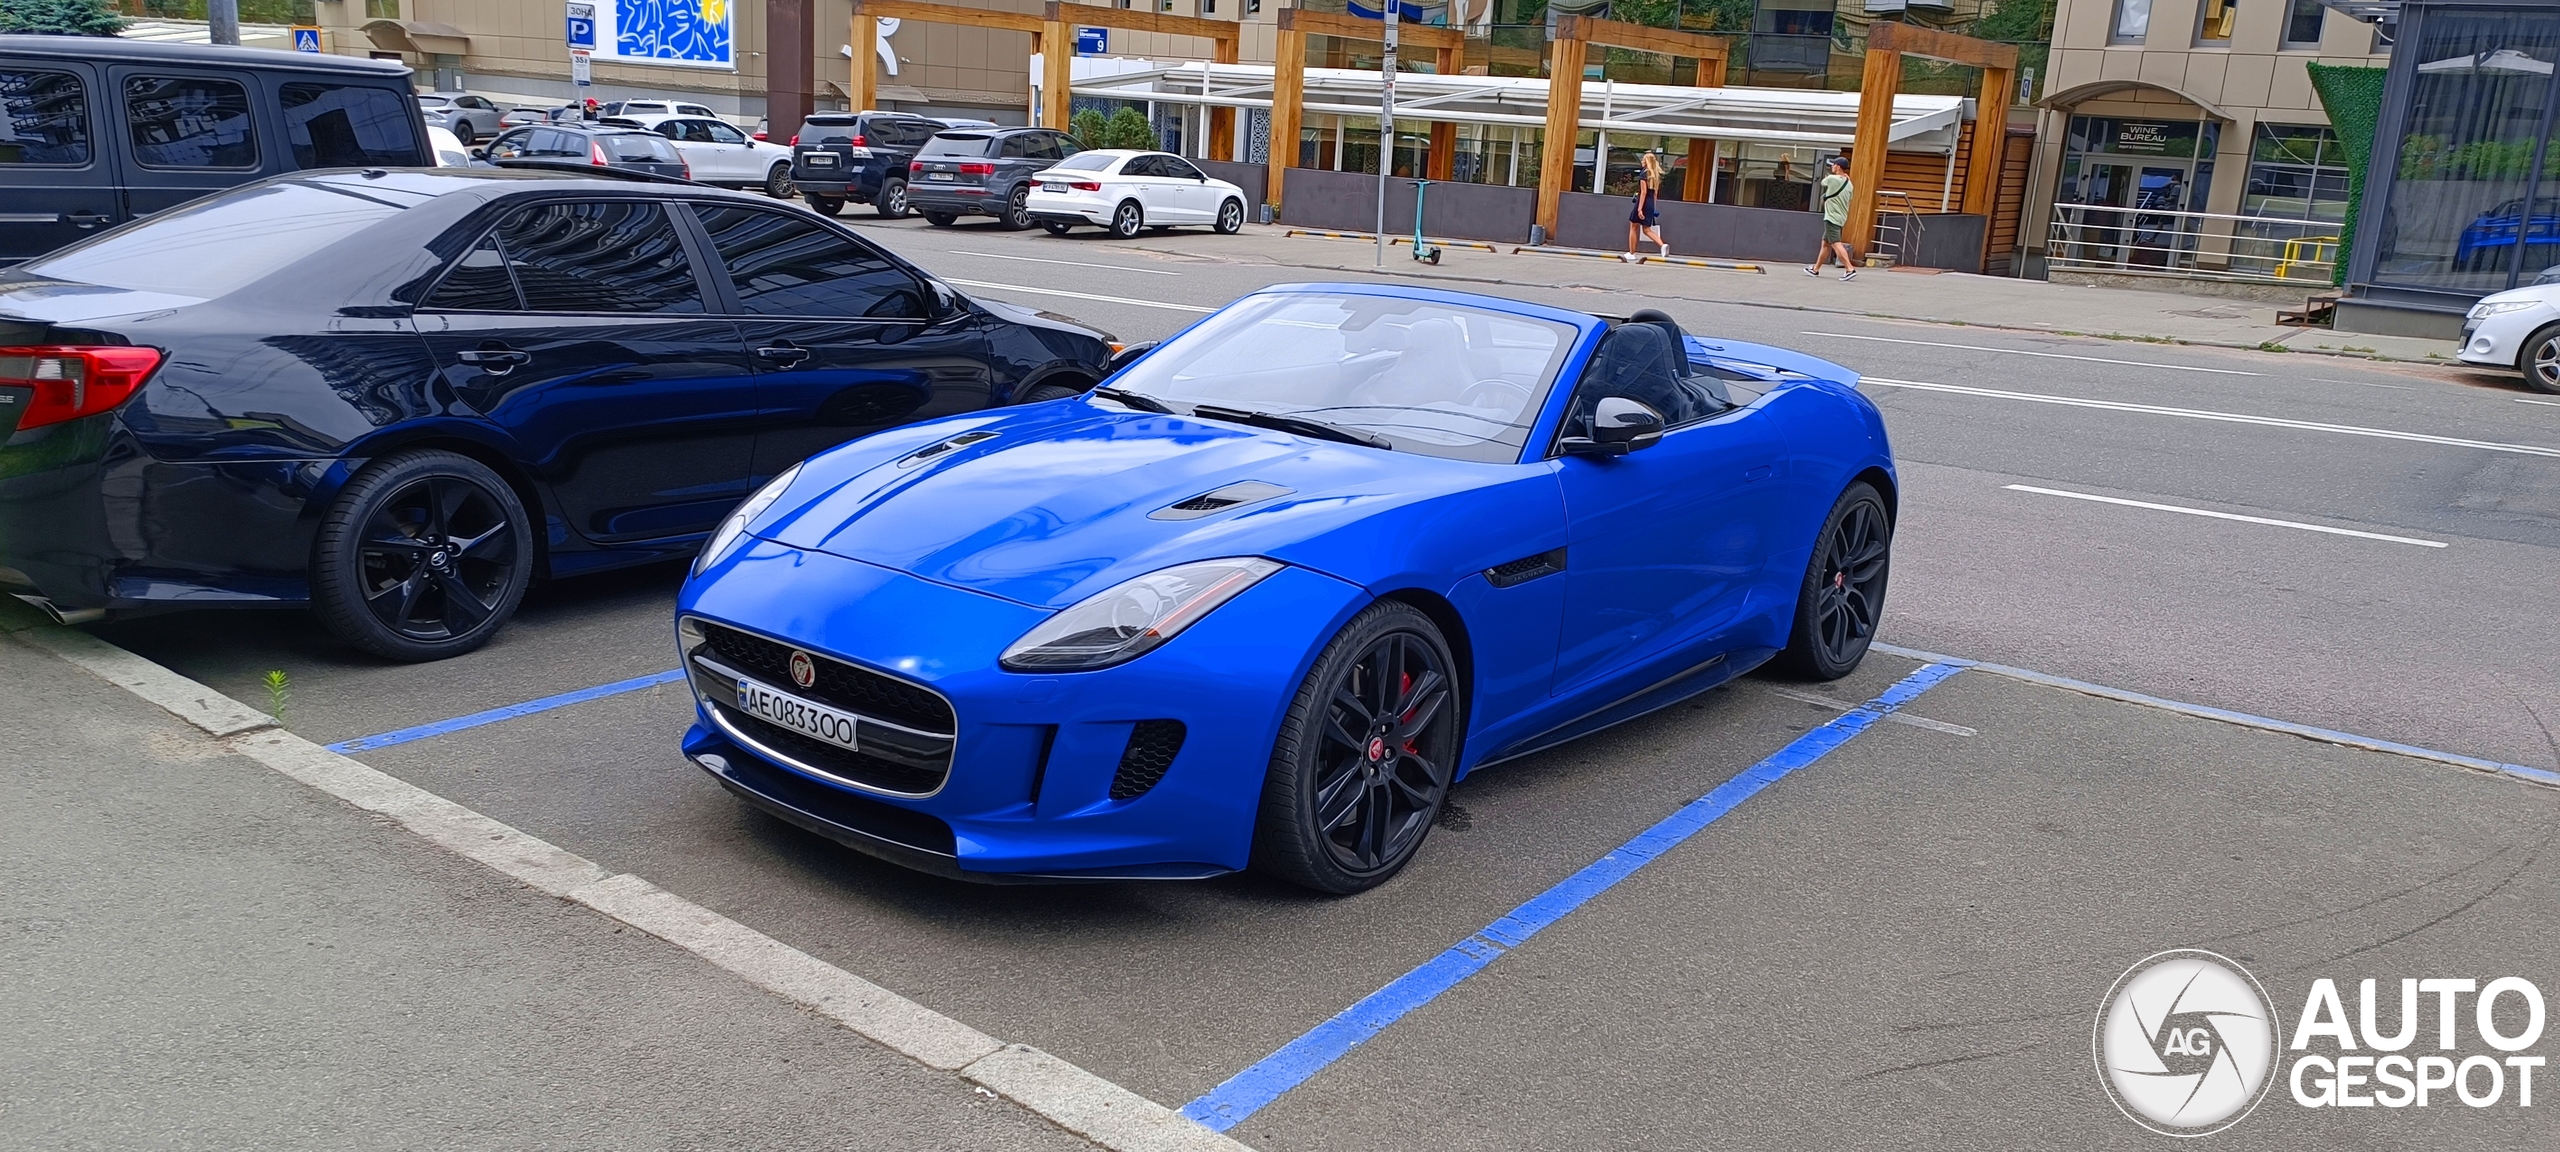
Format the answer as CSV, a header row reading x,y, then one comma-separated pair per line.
x,y
1129,129
60,17
1090,128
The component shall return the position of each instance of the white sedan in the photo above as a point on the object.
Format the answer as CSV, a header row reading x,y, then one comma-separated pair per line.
x,y
1125,191
720,154
2518,329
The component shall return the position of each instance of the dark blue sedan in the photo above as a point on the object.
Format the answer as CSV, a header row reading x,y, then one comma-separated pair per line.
x,y
1262,597
400,396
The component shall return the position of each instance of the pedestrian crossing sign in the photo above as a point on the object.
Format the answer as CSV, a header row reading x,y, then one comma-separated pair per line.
x,y
306,38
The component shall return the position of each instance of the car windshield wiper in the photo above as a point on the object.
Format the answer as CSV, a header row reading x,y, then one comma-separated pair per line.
x,y
1137,400
1299,425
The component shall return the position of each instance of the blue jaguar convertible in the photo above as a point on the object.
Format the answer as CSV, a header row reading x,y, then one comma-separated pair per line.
x,y
1262,597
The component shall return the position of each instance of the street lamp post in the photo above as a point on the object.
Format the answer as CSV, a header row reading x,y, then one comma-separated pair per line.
x,y
1386,126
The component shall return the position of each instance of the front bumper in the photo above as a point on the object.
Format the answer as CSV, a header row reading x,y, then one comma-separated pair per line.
x,y
1033,763
2497,341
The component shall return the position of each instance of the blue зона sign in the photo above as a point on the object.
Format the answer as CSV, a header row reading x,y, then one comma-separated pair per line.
x,y
582,26
1092,41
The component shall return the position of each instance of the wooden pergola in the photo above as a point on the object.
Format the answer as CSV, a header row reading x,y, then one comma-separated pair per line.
x,y
1566,53
1053,31
1887,44
1289,84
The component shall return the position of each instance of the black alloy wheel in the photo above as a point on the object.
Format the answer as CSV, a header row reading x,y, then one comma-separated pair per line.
x,y
1017,210
942,219
2540,360
777,182
1054,390
424,555
892,204
1056,227
1365,757
826,205
1127,220
1842,599
1231,217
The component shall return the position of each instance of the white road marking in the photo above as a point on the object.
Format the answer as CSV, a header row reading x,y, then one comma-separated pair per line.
x,y
2225,516
1893,717
2224,417
2522,400
1105,1113
2046,355
1069,263
1079,295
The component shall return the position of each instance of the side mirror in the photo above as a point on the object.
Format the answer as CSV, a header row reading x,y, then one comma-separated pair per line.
x,y
1129,353
479,153
1618,426
945,301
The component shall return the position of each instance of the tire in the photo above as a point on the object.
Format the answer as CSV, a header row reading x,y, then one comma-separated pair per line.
x,y
424,555
1017,210
777,183
2540,360
892,201
1377,798
826,205
1053,391
1231,217
941,219
1056,227
1127,220
1842,598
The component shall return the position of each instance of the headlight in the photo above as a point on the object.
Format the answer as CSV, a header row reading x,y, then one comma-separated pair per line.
x,y
734,528
2488,308
1131,619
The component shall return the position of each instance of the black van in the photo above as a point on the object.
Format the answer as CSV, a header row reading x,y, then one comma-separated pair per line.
x,y
95,131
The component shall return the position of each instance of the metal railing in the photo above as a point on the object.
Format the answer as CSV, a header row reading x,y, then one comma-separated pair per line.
x,y
2202,245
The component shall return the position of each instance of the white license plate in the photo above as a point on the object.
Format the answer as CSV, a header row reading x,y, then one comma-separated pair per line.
x,y
937,176
816,721
820,160
1053,187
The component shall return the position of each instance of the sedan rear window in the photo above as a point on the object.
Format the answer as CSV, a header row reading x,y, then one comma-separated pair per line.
x,y
1086,162
952,144
213,246
639,147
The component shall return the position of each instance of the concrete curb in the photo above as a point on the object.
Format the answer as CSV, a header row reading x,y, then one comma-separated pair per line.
x,y
1070,1097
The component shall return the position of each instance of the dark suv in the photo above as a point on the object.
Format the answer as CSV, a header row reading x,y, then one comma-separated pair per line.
x,y
609,145
984,172
95,131
858,156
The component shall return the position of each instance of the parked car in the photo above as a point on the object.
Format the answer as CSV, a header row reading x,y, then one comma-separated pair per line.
x,y
2518,329
1266,594
519,117
400,396
636,108
100,130
1124,191
983,172
450,151
466,116
602,145
2491,235
720,154
858,157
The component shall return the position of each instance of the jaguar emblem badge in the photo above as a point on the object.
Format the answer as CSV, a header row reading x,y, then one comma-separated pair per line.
x,y
804,671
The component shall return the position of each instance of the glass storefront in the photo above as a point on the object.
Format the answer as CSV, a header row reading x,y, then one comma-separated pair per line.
x,y
2473,200
2123,178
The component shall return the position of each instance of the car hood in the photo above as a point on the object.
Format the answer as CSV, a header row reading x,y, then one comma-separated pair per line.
x,y
1064,499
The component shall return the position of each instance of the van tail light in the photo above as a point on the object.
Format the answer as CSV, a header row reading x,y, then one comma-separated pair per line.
x,y
75,381
795,139
977,169
1085,185
595,154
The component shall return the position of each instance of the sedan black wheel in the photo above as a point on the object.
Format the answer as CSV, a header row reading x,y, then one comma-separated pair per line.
x,y
1365,757
826,205
1126,222
777,183
1231,217
892,204
1017,210
1842,600
2541,360
424,555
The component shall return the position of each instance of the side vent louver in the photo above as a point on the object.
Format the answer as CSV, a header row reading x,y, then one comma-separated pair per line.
x,y
1525,569
1219,500
930,451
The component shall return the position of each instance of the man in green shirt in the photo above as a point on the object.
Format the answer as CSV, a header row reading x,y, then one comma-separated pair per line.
x,y
1836,191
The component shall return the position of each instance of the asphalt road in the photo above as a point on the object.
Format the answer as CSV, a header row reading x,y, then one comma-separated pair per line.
x,y
1901,945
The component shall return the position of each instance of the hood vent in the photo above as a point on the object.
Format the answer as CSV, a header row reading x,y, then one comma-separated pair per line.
x,y
930,451
1219,500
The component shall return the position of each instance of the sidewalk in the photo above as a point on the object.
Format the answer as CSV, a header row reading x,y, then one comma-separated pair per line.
x,y
1950,298
198,952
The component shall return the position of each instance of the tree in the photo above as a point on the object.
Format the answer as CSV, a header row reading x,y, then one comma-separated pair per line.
x,y
60,17
1090,128
1129,129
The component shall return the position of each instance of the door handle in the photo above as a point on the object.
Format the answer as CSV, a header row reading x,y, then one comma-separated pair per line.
x,y
496,361
783,354
86,219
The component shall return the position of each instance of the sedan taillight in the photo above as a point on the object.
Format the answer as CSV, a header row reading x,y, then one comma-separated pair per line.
x,y
1085,185
595,154
75,381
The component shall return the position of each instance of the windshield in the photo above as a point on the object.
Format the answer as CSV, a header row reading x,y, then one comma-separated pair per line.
x,y
219,243
1437,379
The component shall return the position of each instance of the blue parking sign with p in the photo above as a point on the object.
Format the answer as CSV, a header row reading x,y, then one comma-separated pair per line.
x,y
582,26
306,40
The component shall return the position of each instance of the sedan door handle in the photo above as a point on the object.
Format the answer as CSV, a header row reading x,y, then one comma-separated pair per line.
x,y
495,361
783,354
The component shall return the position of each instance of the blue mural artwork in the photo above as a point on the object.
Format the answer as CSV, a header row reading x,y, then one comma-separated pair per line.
x,y
691,31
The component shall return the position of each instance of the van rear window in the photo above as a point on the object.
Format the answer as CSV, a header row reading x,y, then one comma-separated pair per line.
x,y
348,126
219,243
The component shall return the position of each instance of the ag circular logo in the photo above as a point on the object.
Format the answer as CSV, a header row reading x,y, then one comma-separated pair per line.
x,y
2186,1042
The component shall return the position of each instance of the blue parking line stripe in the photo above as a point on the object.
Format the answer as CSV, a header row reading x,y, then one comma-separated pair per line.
x,y
510,712
1247,1092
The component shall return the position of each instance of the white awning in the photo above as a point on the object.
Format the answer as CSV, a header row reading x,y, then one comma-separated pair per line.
x,y
1770,115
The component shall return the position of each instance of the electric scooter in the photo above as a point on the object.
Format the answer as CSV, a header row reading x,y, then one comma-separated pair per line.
x,y
1427,255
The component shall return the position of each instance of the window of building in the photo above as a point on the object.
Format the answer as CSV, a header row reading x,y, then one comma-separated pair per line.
x,y
2296,171
2467,209
2215,20
381,9
2302,24
2133,22
44,119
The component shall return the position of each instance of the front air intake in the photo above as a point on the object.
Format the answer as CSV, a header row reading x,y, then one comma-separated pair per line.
x,y
1152,747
